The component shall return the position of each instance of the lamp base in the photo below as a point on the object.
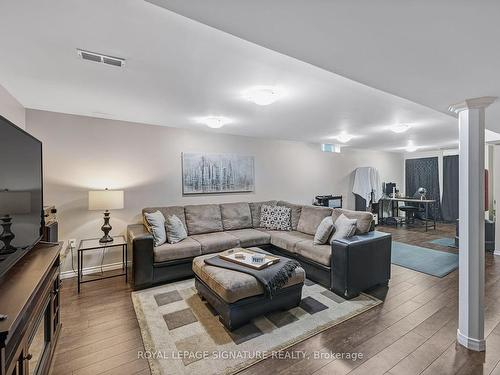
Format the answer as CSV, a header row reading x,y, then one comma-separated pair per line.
x,y
105,239
106,228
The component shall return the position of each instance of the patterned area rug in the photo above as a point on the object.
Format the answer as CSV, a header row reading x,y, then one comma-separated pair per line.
x,y
182,334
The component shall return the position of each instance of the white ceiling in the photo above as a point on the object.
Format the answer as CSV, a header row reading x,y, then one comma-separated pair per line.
x,y
431,52
178,69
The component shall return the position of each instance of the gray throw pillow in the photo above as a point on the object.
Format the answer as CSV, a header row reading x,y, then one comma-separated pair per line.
x,y
175,229
325,229
344,228
276,217
156,226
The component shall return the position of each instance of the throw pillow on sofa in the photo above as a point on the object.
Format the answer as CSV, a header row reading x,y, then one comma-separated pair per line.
x,y
175,229
325,229
156,226
364,218
275,217
344,228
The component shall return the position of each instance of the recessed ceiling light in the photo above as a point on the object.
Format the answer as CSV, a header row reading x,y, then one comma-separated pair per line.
x,y
411,147
344,137
400,128
215,122
263,95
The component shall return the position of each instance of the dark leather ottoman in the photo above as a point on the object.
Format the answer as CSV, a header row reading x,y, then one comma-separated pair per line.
x,y
238,297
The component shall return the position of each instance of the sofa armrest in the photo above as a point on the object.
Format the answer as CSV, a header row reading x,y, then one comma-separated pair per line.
x,y
141,243
360,262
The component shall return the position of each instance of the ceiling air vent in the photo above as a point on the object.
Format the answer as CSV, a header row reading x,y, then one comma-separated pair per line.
x,y
100,58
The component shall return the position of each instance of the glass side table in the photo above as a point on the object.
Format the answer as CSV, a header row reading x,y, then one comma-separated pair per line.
x,y
94,244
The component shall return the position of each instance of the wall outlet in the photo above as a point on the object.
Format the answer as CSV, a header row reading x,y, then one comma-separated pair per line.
x,y
72,242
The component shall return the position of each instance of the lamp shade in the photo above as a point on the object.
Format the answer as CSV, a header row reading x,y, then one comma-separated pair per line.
x,y
105,199
15,202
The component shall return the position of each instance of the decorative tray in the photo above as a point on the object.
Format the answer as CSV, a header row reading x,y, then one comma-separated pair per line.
x,y
243,257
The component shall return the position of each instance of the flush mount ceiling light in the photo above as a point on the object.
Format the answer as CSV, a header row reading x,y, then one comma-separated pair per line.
x,y
411,147
100,58
344,137
263,95
400,128
215,122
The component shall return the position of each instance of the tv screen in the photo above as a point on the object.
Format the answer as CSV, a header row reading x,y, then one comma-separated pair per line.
x,y
21,203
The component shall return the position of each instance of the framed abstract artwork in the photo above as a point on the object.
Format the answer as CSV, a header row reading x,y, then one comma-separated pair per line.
x,y
205,173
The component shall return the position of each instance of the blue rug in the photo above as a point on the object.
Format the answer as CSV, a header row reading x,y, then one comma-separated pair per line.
x,y
449,242
421,259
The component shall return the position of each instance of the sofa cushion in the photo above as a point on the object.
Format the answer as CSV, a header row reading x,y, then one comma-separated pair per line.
x,y
215,242
236,215
317,253
233,286
364,219
311,217
251,237
288,240
168,211
203,218
296,209
184,249
255,208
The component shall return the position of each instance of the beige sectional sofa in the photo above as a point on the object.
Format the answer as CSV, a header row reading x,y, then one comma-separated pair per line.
x,y
213,228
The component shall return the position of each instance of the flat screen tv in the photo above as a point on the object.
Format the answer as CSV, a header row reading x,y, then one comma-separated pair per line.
x,y
21,194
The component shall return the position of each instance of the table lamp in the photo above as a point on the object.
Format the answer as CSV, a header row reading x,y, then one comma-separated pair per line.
x,y
106,200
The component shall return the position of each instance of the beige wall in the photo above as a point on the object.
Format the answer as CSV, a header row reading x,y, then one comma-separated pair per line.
x,y
11,109
82,153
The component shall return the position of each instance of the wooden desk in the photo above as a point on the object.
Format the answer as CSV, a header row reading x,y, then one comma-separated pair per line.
x,y
425,202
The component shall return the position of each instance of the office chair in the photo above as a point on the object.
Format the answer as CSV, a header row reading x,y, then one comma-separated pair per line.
x,y
411,209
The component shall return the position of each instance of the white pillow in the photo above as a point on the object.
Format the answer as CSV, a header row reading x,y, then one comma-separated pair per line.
x,y
156,222
175,229
344,228
276,217
325,229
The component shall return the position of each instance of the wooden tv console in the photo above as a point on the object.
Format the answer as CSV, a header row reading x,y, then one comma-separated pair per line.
x,y
29,296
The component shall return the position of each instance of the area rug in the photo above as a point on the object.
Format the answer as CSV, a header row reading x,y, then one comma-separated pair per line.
x,y
421,259
182,334
445,241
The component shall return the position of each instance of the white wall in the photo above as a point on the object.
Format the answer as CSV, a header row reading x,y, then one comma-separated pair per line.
x,y
11,109
83,153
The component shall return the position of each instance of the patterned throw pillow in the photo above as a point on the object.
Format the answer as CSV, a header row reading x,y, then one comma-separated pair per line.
x,y
276,217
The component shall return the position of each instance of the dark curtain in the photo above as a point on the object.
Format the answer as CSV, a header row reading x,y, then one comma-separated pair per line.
x,y
449,205
424,173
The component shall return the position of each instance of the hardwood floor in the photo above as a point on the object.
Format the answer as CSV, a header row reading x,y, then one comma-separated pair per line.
x,y
412,332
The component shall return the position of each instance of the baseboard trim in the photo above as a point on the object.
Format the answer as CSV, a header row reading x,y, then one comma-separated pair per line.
x,y
470,343
88,270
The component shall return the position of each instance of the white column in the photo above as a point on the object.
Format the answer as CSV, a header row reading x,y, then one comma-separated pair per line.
x,y
470,331
496,195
